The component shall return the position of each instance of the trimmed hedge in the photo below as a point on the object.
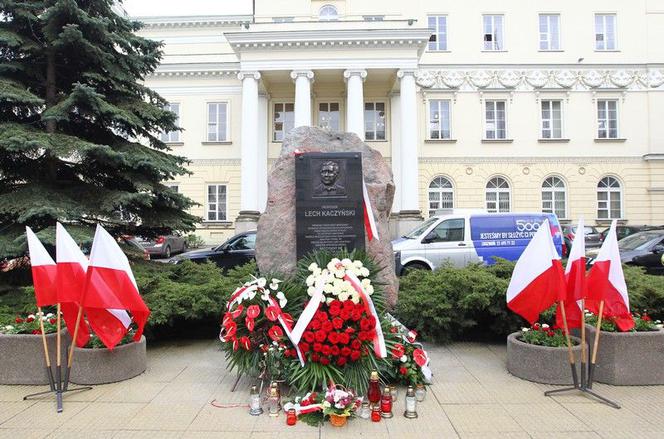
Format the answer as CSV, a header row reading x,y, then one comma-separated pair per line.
x,y
469,303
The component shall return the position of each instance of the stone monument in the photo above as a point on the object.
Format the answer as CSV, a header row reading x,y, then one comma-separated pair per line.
x,y
328,187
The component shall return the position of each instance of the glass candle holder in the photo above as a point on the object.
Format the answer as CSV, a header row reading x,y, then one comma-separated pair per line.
x,y
373,394
411,404
386,403
420,392
375,414
291,417
274,401
365,410
255,408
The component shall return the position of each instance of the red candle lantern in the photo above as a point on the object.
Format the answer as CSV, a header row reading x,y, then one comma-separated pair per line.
x,y
291,417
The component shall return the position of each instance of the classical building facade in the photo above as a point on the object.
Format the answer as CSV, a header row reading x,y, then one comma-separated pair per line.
x,y
509,106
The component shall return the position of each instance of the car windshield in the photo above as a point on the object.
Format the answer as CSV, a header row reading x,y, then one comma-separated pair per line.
x,y
638,241
242,242
417,231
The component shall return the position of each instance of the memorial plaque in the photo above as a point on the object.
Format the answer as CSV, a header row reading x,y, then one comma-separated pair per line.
x,y
328,202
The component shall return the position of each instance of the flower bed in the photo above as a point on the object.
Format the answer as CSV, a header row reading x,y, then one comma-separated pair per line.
x,y
100,365
538,362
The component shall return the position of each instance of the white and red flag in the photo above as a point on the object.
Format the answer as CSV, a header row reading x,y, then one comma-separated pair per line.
x,y
575,277
110,291
537,280
606,282
44,271
70,280
369,218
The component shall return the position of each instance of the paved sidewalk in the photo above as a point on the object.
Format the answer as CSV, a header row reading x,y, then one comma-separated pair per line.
x,y
472,396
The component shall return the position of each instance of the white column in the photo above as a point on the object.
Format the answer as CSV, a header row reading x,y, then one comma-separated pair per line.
x,y
262,150
249,148
395,134
355,101
408,146
303,80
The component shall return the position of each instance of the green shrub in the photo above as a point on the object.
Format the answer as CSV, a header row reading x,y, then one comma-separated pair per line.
x,y
194,241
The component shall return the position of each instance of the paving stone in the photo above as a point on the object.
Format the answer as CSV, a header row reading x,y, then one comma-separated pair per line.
x,y
356,428
164,417
10,409
543,417
515,393
104,416
211,418
503,435
604,419
176,393
131,391
567,435
461,393
22,433
481,418
148,434
93,433
43,415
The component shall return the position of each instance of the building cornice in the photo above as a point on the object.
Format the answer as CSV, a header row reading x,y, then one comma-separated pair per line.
x,y
581,161
321,39
542,78
194,21
197,69
654,156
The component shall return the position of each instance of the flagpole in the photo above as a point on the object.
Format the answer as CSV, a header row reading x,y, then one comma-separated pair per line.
x,y
49,371
593,359
58,373
584,359
70,357
570,353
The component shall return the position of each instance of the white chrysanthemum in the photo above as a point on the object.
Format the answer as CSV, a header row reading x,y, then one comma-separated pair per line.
x,y
355,298
364,271
324,300
347,262
365,283
311,280
328,289
317,272
313,266
344,296
340,273
332,265
337,282
369,290
311,291
347,286
358,264
403,359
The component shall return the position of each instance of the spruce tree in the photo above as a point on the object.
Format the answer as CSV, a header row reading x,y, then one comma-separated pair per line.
x,y
79,131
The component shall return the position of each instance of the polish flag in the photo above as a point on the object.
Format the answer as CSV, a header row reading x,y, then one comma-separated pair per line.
x,y
369,218
575,277
606,282
44,271
111,290
537,280
70,281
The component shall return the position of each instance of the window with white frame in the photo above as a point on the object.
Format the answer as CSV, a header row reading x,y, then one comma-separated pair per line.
x,y
607,119
283,120
497,195
328,116
441,195
495,120
172,136
216,202
492,33
374,120
605,31
609,198
328,12
554,197
552,119
549,32
438,39
439,119
217,127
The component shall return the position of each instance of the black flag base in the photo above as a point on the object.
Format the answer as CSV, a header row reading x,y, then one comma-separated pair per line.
x,y
583,387
58,395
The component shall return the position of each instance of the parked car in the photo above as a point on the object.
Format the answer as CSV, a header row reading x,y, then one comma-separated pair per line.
x,y
165,246
633,247
653,262
466,238
129,245
591,234
624,231
238,250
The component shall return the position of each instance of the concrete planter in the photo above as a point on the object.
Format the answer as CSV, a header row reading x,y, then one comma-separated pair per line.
x,y
629,358
22,357
101,366
540,364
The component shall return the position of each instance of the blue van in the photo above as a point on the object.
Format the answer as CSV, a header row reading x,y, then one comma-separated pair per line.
x,y
462,239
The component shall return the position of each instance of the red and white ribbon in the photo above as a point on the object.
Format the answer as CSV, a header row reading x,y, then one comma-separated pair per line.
x,y
369,218
287,329
379,340
309,310
303,409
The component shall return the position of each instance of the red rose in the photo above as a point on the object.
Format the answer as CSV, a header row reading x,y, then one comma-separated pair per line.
x,y
345,351
287,353
357,315
344,338
341,361
272,313
394,330
245,343
333,337
355,355
348,305
536,326
237,312
398,350
19,320
318,347
308,336
249,322
320,336
359,307
420,357
52,321
335,310
362,335
355,344
315,357
36,331
336,303
253,311
335,350
371,334
322,315
372,321
327,326
275,333
337,323
30,319
315,325
326,349
345,314
403,370
304,347
365,324
324,361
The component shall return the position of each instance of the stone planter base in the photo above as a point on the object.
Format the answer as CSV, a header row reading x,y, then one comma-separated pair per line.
x,y
539,363
101,366
22,357
628,358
